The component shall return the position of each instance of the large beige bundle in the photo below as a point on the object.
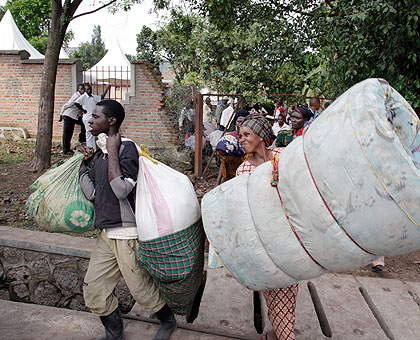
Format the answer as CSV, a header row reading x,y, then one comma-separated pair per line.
x,y
348,192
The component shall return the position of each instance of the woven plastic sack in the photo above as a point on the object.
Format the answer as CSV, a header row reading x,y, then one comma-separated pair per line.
x,y
165,200
57,202
348,192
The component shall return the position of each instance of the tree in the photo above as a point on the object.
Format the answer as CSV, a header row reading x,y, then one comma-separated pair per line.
x,y
147,46
175,42
91,52
349,40
1,12
367,38
245,53
62,12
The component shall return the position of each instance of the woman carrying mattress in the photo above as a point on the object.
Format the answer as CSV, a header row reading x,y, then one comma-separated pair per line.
x,y
255,135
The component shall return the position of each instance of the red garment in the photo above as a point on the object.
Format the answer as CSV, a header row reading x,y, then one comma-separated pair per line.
x,y
300,131
281,305
281,302
234,134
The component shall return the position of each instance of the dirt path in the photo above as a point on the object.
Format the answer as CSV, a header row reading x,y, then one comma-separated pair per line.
x,y
16,179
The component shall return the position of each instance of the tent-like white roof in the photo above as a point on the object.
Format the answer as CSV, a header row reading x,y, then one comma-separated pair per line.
x,y
114,65
13,39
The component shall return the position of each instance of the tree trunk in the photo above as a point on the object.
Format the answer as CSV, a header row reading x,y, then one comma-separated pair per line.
x,y
42,158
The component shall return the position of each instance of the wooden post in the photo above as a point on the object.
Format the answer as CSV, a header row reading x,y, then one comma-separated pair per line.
x,y
198,166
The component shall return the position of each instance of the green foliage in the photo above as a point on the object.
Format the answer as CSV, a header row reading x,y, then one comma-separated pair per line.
x,y
367,38
31,16
1,12
247,51
91,52
130,57
181,96
147,48
279,46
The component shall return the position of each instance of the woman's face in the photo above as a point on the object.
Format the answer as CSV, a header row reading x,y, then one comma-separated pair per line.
x,y
249,140
225,157
238,123
296,119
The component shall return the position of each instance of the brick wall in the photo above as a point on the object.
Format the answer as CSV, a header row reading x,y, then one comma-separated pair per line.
x,y
20,80
146,121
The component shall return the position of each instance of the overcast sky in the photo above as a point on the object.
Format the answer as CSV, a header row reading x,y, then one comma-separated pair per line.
x,y
122,26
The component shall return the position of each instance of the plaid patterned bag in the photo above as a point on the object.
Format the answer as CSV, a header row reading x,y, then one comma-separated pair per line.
x,y
176,264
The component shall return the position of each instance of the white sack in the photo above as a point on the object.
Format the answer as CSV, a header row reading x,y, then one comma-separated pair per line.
x,y
350,189
165,201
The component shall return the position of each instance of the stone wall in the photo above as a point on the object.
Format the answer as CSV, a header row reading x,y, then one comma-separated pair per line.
x,y
48,269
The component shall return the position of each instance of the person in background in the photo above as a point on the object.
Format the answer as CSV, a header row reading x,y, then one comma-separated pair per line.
x,y
278,110
300,117
239,117
280,124
87,103
186,122
231,156
314,106
258,110
72,115
208,112
110,183
221,106
226,117
255,135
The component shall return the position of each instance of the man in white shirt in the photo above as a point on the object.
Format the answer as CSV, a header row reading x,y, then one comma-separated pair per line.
x,y
72,115
208,114
186,120
226,115
87,103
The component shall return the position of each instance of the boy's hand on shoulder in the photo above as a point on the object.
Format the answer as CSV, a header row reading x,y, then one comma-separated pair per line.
x,y
113,143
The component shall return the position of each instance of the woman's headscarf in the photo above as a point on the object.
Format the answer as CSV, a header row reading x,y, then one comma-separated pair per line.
x,y
260,126
239,113
305,112
230,145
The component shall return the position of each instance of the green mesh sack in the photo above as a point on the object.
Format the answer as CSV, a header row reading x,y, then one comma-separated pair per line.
x,y
57,202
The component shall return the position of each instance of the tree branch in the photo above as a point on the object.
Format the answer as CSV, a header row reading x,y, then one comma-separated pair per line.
x,y
93,11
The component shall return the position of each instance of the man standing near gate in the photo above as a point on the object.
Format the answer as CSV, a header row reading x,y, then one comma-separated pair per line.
x,y
87,103
72,115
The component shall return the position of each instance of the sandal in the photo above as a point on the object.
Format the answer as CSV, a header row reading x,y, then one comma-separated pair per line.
x,y
377,269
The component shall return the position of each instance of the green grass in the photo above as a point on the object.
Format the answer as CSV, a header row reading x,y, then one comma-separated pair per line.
x,y
15,151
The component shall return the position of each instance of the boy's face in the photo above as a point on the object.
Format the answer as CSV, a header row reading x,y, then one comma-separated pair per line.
x,y
88,89
99,123
281,119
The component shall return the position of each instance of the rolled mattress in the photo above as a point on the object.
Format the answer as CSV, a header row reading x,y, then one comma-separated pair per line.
x,y
348,192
